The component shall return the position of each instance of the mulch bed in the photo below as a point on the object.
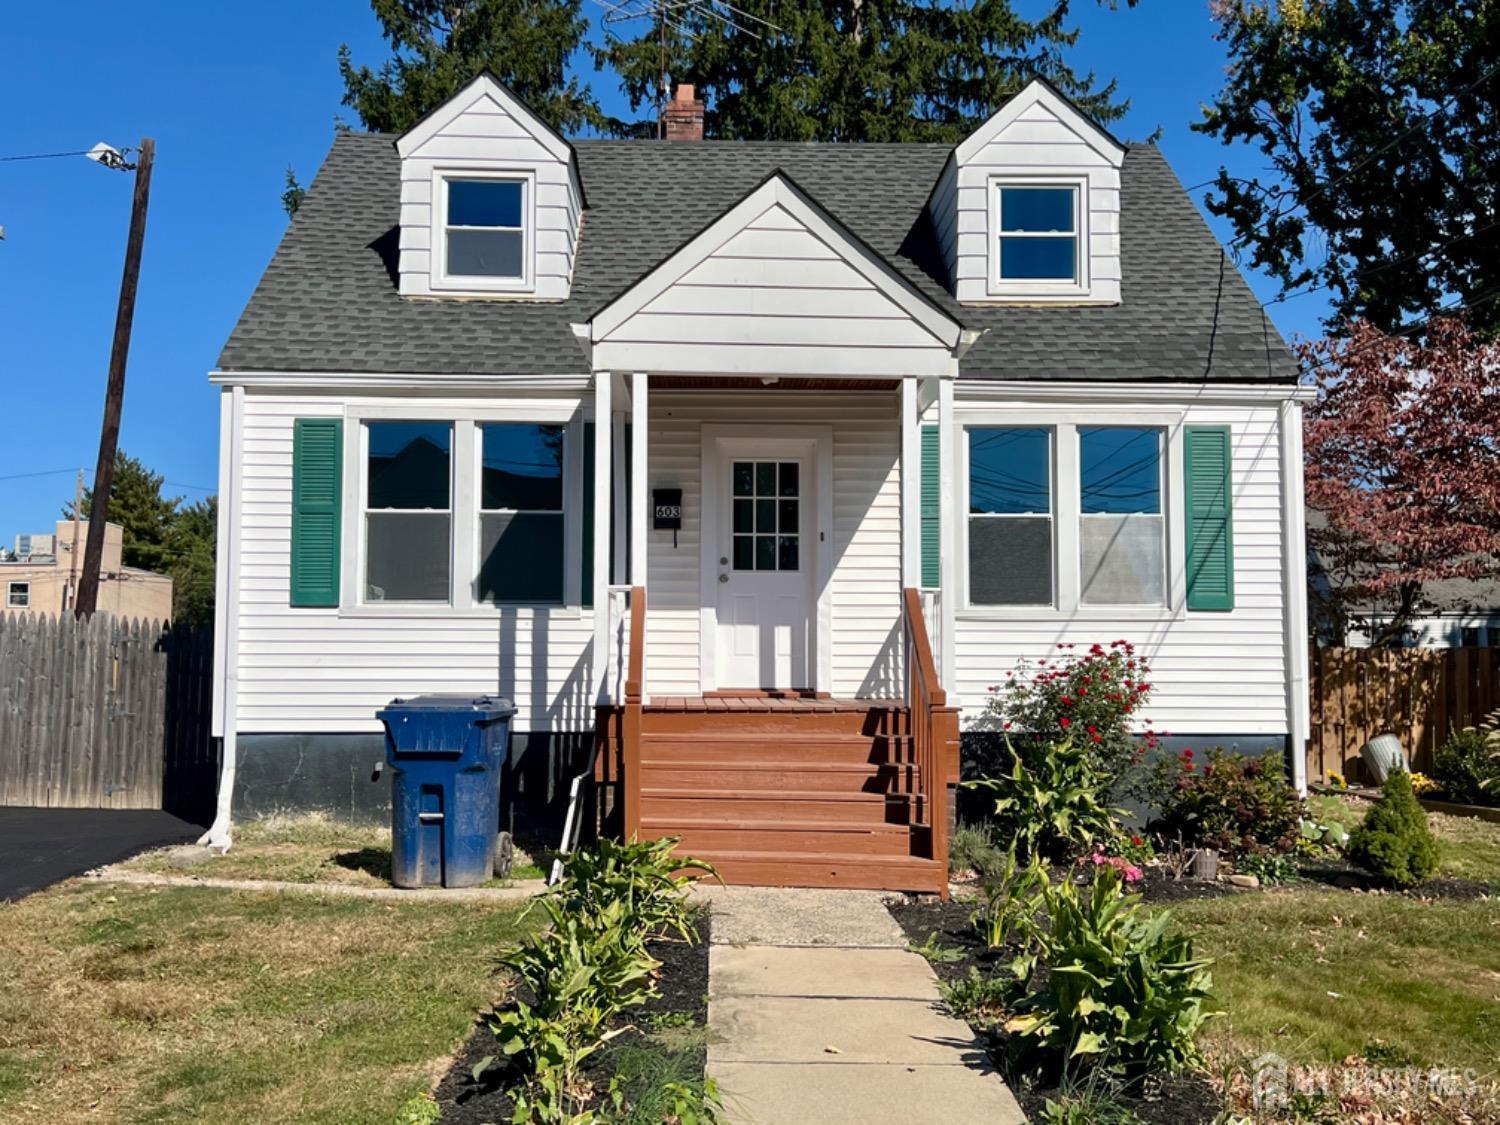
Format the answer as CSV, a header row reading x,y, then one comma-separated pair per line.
x,y
683,988
1187,1099
1343,875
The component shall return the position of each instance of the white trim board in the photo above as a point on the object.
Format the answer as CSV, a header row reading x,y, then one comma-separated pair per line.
x,y
484,88
1039,93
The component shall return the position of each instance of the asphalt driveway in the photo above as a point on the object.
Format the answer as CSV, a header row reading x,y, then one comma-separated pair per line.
x,y
38,847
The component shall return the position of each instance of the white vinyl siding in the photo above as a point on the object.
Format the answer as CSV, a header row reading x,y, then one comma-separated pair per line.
x,y
1214,672
326,670
866,540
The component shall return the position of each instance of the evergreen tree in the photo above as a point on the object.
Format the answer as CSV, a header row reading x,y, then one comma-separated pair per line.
x,y
1393,841
438,46
854,70
1380,120
137,505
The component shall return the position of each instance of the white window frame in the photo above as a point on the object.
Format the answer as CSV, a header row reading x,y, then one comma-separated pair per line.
x,y
570,438
21,588
1067,504
1052,516
464,500
1079,286
440,279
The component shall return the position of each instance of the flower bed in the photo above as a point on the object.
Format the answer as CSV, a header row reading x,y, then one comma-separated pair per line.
x,y
665,1036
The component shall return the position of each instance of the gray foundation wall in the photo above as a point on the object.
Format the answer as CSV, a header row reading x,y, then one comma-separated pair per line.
x,y
335,774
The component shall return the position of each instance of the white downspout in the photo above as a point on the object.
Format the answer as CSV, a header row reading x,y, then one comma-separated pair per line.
x,y
229,546
1294,582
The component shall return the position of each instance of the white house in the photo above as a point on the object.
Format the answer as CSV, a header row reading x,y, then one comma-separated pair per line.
x,y
916,412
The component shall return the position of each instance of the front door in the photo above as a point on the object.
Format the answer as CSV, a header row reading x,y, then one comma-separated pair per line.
x,y
766,556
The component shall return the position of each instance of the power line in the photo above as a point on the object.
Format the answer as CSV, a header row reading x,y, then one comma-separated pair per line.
x,y
45,156
43,473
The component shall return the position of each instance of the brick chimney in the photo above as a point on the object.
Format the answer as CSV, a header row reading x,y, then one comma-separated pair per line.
x,y
683,115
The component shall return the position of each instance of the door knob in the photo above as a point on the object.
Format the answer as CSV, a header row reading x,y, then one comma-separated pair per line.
x,y
723,560
723,578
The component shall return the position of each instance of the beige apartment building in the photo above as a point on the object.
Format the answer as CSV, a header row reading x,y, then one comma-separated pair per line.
x,y
42,577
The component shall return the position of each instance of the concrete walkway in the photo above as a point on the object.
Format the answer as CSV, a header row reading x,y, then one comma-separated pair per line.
x,y
818,1013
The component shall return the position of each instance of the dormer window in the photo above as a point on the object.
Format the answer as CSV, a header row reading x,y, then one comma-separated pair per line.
x,y
1039,245
1038,231
484,231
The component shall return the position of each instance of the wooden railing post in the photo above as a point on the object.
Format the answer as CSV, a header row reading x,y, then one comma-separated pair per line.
x,y
934,732
630,748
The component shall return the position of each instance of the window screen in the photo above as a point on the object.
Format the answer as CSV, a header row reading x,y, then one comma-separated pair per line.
x,y
1122,532
1010,516
1038,233
19,595
521,526
767,499
485,228
408,519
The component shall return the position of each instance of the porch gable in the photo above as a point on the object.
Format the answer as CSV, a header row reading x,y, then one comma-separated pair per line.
x,y
776,287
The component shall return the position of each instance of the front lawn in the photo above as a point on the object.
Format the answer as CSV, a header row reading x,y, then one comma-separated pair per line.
x,y
146,1004
306,849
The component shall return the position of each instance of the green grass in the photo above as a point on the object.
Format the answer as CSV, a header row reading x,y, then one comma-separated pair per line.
x,y
309,849
1317,974
195,1004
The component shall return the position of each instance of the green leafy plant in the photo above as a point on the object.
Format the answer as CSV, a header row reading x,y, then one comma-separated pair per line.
x,y
1090,697
644,876
1014,893
1268,867
419,1109
978,999
1467,767
974,848
1121,989
1393,842
651,1098
1052,801
1314,836
576,975
937,954
1232,802
1094,1100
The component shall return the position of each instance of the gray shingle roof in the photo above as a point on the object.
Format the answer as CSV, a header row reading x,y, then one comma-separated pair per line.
x,y
328,300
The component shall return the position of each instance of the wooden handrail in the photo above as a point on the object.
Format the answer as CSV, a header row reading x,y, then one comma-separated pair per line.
x,y
933,730
630,731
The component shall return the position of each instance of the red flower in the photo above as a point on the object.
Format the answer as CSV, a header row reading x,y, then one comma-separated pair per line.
x,y
1065,722
1067,701
1187,753
1137,841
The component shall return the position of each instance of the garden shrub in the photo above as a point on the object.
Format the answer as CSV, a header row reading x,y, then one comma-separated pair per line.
x,y
642,875
1121,989
974,848
1468,768
1237,804
1090,698
1393,842
1010,893
1052,801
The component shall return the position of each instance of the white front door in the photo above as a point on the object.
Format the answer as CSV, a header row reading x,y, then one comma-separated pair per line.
x,y
765,557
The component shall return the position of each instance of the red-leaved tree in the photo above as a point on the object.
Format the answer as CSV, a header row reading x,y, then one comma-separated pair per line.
x,y
1403,471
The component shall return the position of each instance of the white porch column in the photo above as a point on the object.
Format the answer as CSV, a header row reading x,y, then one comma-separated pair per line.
x,y
640,427
619,561
603,507
1294,580
911,486
948,478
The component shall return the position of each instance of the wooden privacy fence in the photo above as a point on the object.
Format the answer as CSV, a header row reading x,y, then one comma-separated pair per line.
x,y
105,713
1419,695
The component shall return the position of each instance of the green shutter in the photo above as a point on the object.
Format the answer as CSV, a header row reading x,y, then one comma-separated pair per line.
x,y
588,515
317,494
1210,530
931,503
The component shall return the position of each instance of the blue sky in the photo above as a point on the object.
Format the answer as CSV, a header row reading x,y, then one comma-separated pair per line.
x,y
234,93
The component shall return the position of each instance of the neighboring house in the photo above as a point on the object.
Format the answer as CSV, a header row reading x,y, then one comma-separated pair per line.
x,y
42,577
825,408
1454,612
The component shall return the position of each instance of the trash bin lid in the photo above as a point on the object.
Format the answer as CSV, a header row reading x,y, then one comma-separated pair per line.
x,y
495,706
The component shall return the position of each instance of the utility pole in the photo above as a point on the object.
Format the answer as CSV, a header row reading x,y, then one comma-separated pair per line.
x,y
114,394
70,597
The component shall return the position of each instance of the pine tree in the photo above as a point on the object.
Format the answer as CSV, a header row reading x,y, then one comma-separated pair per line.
x,y
854,70
1393,842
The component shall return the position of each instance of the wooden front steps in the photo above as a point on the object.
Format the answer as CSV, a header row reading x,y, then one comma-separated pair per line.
x,y
787,791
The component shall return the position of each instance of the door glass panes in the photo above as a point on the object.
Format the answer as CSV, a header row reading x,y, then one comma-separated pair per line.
x,y
767,516
408,520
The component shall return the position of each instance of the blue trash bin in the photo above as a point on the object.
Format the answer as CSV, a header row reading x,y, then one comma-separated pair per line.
x,y
446,753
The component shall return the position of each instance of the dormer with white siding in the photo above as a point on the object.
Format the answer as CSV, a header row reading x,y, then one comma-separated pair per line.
x,y
491,200
1027,210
